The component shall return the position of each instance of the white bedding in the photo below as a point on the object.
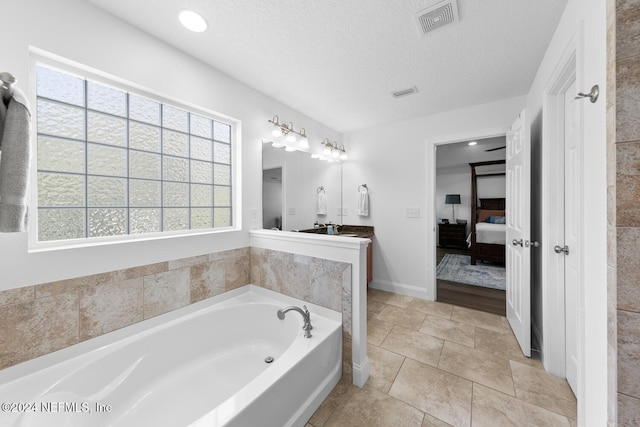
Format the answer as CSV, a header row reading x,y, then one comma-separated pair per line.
x,y
491,233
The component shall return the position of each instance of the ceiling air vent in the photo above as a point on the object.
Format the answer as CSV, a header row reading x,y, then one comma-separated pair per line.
x,y
437,16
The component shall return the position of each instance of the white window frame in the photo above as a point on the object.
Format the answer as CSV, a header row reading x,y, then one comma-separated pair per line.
x,y
40,57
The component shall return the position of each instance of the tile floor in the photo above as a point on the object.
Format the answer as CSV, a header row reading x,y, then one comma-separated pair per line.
x,y
434,364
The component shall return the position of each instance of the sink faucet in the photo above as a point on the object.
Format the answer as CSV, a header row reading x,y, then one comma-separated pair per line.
x,y
306,316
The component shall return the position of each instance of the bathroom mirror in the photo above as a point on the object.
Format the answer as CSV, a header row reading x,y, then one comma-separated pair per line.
x,y
290,189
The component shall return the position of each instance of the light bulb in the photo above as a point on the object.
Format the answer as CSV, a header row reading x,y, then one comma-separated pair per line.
x,y
343,156
326,151
192,21
291,138
276,131
303,143
335,154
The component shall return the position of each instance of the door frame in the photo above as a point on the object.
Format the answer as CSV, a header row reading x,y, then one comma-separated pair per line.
x,y
431,215
553,295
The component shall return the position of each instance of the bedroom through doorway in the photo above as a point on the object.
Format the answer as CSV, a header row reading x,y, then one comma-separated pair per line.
x,y
470,253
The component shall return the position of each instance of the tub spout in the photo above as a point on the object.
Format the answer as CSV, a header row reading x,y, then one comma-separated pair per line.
x,y
306,316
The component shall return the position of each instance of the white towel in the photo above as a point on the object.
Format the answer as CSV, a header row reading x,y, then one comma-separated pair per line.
x,y
321,204
363,203
14,164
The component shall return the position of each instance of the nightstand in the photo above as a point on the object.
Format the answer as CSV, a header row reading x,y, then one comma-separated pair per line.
x,y
452,235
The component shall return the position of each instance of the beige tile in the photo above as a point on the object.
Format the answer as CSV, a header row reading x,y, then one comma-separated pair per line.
x,y
478,318
207,280
628,179
461,333
297,278
627,28
347,307
37,327
384,367
416,345
379,296
399,300
477,366
167,291
336,400
628,266
628,411
627,99
404,317
430,421
237,271
431,307
188,262
72,285
326,283
377,331
544,390
440,394
105,308
18,295
628,351
369,407
495,409
373,308
504,345
135,272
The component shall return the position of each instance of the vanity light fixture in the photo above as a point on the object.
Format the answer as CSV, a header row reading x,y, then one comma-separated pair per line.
x,y
288,131
192,21
331,152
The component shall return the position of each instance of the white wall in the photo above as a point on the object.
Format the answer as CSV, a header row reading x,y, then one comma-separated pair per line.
x,y
80,32
393,160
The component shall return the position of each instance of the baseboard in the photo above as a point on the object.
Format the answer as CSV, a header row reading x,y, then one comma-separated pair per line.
x,y
401,288
361,373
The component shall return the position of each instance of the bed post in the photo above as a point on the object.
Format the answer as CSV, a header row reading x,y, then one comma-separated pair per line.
x,y
474,218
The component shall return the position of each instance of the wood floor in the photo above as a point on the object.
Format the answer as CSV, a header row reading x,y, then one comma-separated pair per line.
x,y
476,297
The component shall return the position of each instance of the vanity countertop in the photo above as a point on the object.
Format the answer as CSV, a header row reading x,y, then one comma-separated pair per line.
x,y
362,231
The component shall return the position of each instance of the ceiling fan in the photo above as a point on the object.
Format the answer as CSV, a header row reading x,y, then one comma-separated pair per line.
x,y
496,148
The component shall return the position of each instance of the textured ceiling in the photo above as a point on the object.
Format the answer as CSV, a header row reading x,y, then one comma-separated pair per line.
x,y
338,61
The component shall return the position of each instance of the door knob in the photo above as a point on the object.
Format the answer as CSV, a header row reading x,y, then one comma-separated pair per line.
x,y
516,242
559,249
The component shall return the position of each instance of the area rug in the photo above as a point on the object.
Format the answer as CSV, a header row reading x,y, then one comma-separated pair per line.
x,y
458,268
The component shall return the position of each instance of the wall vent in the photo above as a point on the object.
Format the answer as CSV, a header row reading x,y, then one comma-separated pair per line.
x,y
437,16
404,92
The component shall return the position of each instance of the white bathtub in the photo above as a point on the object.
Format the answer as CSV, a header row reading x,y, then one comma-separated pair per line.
x,y
202,365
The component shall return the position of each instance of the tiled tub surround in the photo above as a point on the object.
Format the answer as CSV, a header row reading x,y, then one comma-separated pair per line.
x,y
41,319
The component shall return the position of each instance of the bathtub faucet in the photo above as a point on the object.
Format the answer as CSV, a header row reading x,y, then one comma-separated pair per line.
x,y
306,316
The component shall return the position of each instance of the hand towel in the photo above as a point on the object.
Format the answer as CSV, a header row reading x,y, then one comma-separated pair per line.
x,y
321,204
14,164
362,208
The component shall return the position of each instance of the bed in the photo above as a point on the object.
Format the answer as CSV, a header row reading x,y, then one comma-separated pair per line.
x,y
488,225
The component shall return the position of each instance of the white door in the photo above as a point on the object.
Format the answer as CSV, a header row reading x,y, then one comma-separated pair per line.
x,y
571,254
518,262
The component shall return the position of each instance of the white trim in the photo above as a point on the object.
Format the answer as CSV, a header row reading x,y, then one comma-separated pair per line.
x,y
400,288
553,301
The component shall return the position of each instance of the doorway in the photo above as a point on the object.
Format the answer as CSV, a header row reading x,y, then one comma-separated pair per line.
x,y
459,281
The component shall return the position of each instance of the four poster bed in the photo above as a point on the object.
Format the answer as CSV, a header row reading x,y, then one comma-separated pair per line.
x,y
488,220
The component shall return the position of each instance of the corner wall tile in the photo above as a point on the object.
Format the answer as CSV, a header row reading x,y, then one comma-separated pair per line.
x,y
237,272
207,280
297,278
628,268
108,307
628,411
72,285
326,284
628,350
18,295
628,99
628,184
167,291
38,327
627,28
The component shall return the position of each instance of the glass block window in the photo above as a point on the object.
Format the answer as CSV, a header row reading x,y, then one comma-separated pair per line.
x,y
113,162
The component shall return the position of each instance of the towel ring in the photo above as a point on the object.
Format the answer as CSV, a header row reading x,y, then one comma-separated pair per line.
x,y
320,189
363,186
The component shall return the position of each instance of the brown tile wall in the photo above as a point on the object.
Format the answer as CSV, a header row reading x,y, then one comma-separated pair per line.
x,y
40,319
626,209
319,281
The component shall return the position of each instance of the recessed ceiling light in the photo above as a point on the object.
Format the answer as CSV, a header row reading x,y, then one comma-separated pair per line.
x,y
473,143
192,21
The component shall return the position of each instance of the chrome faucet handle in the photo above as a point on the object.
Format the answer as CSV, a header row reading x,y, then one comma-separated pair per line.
x,y
306,311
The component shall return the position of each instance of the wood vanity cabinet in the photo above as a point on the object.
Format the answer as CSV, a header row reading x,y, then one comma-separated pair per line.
x,y
369,264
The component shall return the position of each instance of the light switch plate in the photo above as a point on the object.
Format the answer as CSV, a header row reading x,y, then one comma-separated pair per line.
x,y
413,212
